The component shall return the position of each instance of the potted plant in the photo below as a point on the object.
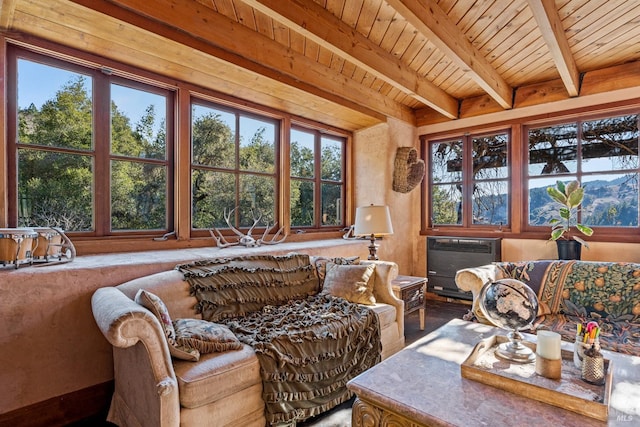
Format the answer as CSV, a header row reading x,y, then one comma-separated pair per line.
x,y
569,196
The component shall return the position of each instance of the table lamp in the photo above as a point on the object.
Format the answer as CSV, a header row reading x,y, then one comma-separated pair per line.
x,y
373,221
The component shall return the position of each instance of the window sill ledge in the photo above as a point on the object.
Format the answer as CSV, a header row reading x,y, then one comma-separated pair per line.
x,y
141,263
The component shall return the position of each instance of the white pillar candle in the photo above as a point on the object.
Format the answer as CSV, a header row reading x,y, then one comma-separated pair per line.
x,y
548,345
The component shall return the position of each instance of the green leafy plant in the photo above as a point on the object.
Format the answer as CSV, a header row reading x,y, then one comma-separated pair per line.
x,y
569,197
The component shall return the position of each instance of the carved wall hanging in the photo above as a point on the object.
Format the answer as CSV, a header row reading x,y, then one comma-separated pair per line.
x,y
408,171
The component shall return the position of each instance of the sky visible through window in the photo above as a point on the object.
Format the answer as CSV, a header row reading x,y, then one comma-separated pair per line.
x,y
38,83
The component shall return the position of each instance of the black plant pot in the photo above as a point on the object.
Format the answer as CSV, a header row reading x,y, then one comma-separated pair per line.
x,y
568,249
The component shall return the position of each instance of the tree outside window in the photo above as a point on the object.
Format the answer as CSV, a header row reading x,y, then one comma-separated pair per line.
x,y
138,184
233,167
71,158
317,179
92,151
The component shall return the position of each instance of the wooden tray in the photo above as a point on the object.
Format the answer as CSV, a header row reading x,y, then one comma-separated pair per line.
x,y
570,392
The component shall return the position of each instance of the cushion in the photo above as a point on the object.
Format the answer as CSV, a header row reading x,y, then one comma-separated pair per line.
x,y
217,376
154,304
602,290
320,265
351,282
386,314
206,337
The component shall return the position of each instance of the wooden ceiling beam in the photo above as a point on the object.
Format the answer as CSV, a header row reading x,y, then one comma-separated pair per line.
x,y
319,25
429,19
6,13
553,33
625,77
200,27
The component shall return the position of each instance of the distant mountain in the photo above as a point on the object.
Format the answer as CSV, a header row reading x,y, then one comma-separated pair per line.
x,y
606,203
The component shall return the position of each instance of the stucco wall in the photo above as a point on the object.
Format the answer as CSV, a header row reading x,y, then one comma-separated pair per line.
x,y
523,249
375,148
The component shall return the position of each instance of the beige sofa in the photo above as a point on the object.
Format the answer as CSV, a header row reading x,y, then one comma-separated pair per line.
x,y
221,389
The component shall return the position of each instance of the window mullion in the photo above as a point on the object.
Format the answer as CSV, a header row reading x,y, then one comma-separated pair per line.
x,y
317,199
102,153
467,181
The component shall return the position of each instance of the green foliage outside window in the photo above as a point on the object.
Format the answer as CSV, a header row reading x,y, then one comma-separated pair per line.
x,y
484,201
306,186
78,171
223,180
138,189
57,164
55,188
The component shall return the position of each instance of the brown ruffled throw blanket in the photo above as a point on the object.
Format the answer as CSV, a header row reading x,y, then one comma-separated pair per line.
x,y
309,345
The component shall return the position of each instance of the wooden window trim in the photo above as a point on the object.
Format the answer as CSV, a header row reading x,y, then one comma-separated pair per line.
x,y
236,170
467,225
317,180
181,208
519,151
100,149
622,234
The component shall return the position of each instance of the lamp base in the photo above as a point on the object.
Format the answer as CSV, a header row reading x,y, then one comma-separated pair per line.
x,y
373,249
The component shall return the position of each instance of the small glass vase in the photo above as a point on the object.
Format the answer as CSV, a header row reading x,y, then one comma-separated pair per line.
x,y
579,346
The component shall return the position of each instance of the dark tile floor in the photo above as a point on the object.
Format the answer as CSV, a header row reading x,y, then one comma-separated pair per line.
x,y
438,313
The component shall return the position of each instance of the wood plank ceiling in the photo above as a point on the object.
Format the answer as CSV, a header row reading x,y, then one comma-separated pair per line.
x,y
354,63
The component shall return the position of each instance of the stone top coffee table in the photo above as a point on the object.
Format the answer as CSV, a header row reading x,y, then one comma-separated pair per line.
x,y
422,386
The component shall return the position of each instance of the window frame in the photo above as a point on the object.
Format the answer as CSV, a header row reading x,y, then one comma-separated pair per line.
x,y
467,180
603,233
178,234
519,228
236,170
100,152
318,180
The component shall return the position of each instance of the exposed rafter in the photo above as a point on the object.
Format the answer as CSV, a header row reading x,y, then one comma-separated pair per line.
x,y
553,33
316,23
353,64
187,21
433,23
6,12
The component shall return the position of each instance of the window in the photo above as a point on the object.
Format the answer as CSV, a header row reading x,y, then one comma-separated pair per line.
x,y
469,179
233,171
138,159
317,179
91,149
602,154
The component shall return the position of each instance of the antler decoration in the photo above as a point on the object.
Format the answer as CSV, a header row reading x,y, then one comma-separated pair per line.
x,y
247,239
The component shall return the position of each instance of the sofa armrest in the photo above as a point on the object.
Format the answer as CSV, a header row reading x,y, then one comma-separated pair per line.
x,y
386,271
472,280
142,363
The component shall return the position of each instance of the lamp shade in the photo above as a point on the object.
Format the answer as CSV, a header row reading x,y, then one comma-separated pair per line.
x,y
373,220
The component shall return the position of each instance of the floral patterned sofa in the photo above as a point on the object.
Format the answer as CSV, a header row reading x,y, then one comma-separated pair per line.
x,y
571,292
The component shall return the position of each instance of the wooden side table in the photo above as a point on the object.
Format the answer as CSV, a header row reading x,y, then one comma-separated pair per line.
x,y
411,290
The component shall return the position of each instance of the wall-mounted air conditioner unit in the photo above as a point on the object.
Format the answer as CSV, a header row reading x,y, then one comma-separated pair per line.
x,y
447,255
